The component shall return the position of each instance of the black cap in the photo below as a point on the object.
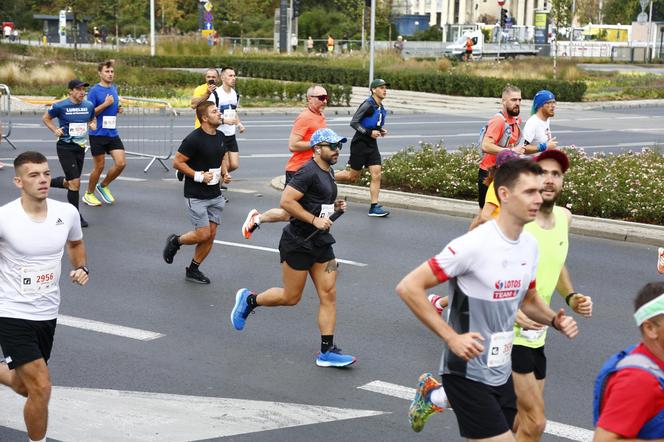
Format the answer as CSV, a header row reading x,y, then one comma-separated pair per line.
x,y
75,83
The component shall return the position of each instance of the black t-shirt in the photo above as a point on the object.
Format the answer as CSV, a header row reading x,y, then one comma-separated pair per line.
x,y
205,152
318,187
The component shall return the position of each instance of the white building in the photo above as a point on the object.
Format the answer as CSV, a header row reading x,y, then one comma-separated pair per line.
x,y
447,12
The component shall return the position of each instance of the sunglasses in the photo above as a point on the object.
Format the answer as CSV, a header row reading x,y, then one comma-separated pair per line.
x,y
332,146
320,97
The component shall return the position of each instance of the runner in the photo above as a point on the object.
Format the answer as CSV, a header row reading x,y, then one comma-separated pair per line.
x,y
487,289
227,99
34,232
309,121
306,247
204,91
468,55
629,391
75,115
368,123
502,132
200,159
105,139
537,131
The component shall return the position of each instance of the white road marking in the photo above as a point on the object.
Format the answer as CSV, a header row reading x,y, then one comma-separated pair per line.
x,y
120,178
269,249
111,415
111,329
552,428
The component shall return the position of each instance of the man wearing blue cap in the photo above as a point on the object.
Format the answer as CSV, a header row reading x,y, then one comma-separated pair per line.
x,y
306,247
537,133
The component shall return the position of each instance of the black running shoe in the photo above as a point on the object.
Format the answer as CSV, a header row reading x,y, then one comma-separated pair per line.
x,y
196,276
84,223
172,247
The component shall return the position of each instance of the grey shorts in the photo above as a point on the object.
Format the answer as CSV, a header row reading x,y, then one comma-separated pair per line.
x,y
203,212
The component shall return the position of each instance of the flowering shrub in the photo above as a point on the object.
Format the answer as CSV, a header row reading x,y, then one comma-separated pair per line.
x,y
627,186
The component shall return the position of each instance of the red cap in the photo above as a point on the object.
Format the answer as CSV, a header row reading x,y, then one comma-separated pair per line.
x,y
557,155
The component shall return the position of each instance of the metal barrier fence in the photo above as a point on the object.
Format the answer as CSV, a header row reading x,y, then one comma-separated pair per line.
x,y
150,134
5,113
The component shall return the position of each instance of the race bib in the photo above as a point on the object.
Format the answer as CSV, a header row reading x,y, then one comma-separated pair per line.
x,y
229,113
216,176
35,280
326,210
500,349
108,122
78,129
532,335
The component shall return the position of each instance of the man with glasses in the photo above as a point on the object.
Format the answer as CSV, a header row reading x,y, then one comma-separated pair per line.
x,y
306,247
309,121
368,123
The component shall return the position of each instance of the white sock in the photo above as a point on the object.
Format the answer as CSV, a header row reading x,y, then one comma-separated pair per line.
x,y
438,397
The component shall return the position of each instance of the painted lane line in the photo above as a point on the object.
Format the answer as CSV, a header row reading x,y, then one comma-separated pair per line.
x,y
553,428
110,329
269,249
120,178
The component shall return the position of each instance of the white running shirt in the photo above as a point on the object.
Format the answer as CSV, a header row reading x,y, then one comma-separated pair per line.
x,y
536,131
227,105
30,257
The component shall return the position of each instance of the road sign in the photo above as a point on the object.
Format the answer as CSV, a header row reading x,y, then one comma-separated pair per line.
x,y
642,18
208,26
501,2
208,6
644,4
207,17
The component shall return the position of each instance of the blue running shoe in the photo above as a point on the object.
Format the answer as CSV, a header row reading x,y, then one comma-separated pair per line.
x,y
240,309
378,211
334,358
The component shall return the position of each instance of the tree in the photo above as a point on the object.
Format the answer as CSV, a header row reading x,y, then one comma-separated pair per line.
x,y
625,11
587,11
561,13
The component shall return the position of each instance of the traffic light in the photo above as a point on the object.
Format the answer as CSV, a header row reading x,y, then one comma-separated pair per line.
x,y
503,17
296,8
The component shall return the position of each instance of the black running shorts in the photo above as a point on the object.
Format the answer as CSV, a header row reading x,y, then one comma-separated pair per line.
x,y
482,411
364,153
230,143
529,360
304,259
102,145
24,341
71,156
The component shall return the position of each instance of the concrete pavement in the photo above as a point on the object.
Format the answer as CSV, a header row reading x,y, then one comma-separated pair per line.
x,y
582,225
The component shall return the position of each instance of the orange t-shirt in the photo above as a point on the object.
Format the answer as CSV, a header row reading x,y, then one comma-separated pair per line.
x,y
305,125
494,132
469,45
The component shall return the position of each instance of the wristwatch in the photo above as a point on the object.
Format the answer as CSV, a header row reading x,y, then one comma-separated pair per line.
x,y
85,269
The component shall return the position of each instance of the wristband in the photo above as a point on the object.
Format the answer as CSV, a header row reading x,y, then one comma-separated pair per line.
x,y
85,269
553,323
568,297
198,177
542,147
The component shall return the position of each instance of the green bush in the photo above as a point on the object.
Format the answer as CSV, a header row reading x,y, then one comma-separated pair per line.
x,y
627,186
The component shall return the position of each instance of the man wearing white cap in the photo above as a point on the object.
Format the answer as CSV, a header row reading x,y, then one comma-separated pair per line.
x,y
629,390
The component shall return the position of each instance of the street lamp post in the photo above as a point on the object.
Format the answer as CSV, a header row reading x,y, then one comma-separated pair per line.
x,y
501,3
372,35
152,36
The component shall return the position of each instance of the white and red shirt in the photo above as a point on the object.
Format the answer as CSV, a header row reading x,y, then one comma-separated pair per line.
x,y
489,275
30,256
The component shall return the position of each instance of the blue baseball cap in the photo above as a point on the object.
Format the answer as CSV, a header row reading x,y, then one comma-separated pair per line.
x,y
325,135
541,98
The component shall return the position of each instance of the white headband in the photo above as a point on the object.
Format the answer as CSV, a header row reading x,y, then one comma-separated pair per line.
x,y
650,310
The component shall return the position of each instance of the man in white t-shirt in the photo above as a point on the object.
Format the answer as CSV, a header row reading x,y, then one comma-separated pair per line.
x,y
537,132
228,100
34,231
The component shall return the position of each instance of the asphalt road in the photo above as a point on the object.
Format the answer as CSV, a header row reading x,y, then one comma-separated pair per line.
x,y
200,355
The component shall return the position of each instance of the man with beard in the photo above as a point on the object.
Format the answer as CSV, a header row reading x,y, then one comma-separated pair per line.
x,y
306,247
502,132
537,132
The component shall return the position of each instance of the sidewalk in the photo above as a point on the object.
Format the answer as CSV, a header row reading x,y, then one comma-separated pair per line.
x,y
581,225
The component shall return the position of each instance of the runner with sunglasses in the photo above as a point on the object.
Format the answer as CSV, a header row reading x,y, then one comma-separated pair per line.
x,y
368,122
308,122
310,198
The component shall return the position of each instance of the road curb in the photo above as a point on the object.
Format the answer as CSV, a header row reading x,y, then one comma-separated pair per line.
x,y
630,232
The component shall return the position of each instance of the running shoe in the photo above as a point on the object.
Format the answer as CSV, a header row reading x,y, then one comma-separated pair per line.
x,y
171,248
435,300
250,224
378,211
84,223
660,261
196,276
105,194
90,199
334,358
422,408
240,309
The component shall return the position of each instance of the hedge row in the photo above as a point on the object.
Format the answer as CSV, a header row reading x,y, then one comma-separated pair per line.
x,y
294,69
